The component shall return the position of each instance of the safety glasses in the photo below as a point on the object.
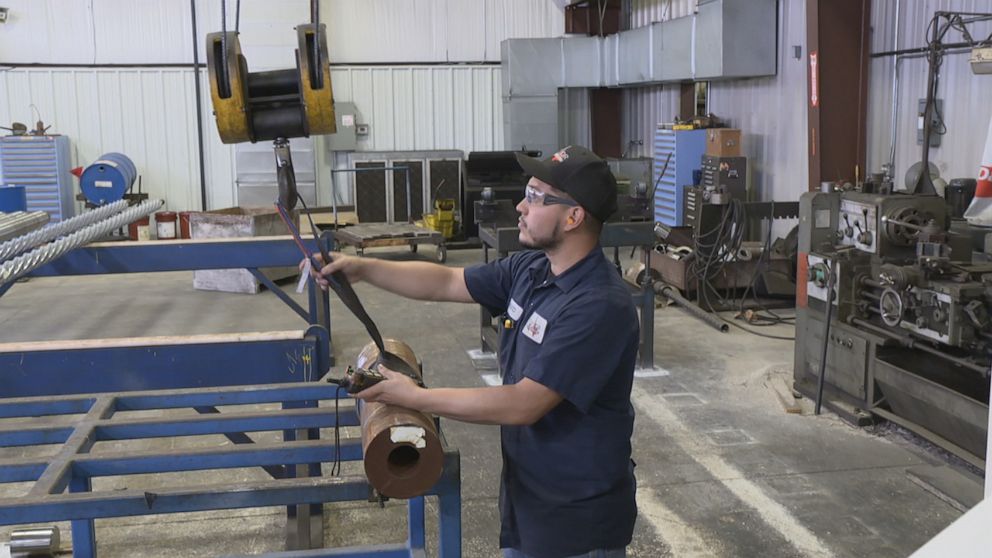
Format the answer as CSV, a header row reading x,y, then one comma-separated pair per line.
x,y
535,197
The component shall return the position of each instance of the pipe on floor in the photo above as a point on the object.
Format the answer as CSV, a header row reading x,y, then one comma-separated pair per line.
x,y
401,447
671,293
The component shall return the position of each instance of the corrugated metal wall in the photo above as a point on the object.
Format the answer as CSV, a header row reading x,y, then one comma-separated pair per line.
x,y
967,105
574,123
150,113
770,111
424,107
390,31
359,31
643,12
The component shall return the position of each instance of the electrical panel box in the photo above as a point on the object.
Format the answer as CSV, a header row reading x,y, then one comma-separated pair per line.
x,y
725,173
346,138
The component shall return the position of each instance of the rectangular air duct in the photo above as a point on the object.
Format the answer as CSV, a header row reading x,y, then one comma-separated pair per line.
x,y
726,39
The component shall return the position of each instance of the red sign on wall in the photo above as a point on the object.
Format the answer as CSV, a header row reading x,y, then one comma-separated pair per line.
x,y
814,81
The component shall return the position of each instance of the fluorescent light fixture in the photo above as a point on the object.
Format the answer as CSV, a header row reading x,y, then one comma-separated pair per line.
x,y
981,60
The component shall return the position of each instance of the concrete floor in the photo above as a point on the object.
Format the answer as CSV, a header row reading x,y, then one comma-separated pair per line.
x,y
722,469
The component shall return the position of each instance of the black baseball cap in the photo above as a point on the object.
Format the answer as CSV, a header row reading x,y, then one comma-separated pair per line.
x,y
579,173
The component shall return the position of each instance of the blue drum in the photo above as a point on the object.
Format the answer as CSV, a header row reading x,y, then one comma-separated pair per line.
x,y
108,178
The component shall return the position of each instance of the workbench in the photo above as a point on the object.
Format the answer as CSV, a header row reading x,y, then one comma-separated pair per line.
x,y
287,471
68,367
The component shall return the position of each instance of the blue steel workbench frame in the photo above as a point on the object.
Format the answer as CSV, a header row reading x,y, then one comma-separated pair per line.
x,y
157,365
63,490
65,368
191,255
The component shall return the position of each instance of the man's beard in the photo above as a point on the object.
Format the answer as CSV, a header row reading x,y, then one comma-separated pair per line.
x,y
547,244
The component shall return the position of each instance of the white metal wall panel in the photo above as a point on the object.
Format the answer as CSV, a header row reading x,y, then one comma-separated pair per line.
x,y
771,112
421,108
47,31
574,110
147,114
104,31
966,96
130,32
645,108
395,31
359,31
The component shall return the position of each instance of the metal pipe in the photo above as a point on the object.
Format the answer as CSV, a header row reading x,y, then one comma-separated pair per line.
x,y
911,343
908,225
36,238
20,223
671,293
42,541
402,450
26,263
199,107
868,281
949,48
894,125
826,340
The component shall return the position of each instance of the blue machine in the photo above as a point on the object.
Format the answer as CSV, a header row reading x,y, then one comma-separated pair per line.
x,y
13,198
41,165
686,148
108,178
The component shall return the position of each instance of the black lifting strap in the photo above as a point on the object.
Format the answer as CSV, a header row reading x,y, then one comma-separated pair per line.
x,y
342,287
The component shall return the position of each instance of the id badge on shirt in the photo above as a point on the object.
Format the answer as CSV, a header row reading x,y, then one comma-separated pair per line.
x,y
535,327
514,311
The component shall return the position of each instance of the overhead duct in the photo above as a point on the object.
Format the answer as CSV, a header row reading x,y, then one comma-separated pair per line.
x,y
725,39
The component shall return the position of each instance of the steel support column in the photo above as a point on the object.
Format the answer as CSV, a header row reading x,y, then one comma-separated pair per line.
x,y
837,38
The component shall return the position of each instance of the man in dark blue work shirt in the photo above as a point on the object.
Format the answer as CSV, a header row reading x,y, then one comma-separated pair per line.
x,y
567,355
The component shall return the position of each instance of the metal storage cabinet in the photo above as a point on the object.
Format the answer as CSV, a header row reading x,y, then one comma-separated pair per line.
x,y
687,148
41,165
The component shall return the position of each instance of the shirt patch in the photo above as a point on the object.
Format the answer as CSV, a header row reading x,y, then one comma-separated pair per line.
x,y
514,311
534,329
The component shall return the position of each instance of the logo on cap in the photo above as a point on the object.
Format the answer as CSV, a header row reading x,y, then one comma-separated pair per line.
x,y
560,156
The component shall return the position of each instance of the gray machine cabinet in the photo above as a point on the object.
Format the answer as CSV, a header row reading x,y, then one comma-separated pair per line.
x,y
847,356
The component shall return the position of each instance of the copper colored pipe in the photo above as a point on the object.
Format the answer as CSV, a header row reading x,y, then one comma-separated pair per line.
x,y
401,447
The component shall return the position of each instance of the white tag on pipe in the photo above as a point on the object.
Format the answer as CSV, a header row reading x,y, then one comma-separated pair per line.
x,y
304,275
